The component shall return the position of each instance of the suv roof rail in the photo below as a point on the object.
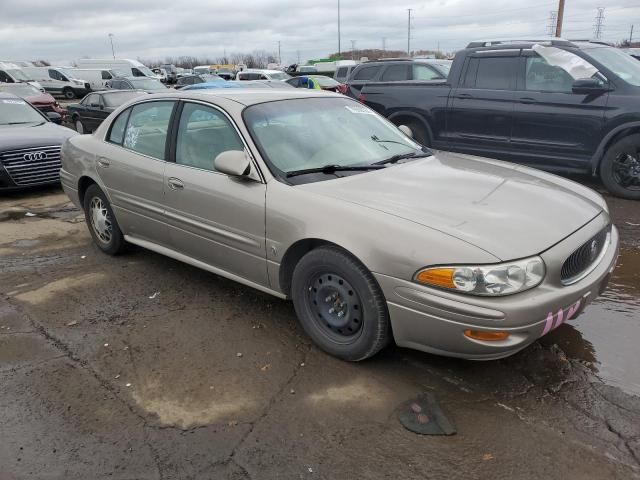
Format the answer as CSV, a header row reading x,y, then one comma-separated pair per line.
x,y
390,59
593,40
550,40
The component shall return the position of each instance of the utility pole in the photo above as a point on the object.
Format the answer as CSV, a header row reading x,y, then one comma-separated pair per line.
x,y
279,56
598,26
552,23
409,32
298,53
113,52
631,36
339,52
384,44
353,49
560,15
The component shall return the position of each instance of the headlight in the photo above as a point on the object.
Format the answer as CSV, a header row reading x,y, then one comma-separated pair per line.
x,y
78,82
487,280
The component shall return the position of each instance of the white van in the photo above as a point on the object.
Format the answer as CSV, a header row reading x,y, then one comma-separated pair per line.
x,y
97,77
122,67
57,82
12,73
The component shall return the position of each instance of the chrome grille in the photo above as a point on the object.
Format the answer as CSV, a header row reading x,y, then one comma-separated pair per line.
x,y
585,258
31,166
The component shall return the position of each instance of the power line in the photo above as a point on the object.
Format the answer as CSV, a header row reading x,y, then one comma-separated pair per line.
x,y
598,26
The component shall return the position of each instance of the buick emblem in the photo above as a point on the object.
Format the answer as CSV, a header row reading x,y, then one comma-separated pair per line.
x,y
32,156
593,250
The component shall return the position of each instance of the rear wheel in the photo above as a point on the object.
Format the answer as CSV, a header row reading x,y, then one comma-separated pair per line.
x,y
68,93
102,224
80,127
420,133
340,304
620,168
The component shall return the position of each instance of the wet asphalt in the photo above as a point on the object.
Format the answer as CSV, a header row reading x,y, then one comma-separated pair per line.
x,y
141,367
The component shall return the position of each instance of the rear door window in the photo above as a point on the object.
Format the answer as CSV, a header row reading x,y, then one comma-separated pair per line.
x,y
147,128
366,73
425,72
496,73
396,73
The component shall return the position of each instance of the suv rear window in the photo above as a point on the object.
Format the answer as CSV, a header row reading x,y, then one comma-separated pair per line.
x,y
366,73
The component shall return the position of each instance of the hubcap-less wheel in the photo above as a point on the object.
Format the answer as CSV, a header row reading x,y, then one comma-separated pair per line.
x,y
69,94
79,127
100,220
626,170
336,307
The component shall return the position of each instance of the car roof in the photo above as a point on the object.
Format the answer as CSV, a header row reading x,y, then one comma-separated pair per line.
x,y
248,96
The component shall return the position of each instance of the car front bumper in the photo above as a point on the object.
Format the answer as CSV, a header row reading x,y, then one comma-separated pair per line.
x,y
434,320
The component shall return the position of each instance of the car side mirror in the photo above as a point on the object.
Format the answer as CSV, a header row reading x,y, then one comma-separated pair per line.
x,y
233,162
406,130
588,86
55,117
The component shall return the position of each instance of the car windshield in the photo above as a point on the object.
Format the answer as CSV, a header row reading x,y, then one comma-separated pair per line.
x,y
17,111
279,76
620,63
116,99
18,75
20,89
309,133
147,84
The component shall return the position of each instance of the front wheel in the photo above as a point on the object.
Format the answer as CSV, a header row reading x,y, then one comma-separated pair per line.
x,y
620,168
80,128
102,224
340,304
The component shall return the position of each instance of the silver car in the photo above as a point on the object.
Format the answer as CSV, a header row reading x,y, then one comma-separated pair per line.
x,y
314,197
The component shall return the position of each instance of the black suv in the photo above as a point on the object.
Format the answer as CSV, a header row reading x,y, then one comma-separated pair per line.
x,y
559,105
395,70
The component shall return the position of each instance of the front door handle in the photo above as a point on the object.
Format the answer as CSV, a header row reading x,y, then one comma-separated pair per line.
x,y
464,95
103,162
175,183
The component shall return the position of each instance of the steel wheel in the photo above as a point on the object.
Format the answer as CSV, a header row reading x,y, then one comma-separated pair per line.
x,y
336,307
79,127
626,170
100,220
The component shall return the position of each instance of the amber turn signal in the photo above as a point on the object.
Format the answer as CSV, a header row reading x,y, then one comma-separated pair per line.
x,y
486,336
437,277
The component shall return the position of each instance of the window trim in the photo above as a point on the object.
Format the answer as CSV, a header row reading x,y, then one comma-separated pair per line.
x,y
174,137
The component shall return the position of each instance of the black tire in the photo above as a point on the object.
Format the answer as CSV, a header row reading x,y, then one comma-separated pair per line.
x,y
364,328
115,243
68,93
620,168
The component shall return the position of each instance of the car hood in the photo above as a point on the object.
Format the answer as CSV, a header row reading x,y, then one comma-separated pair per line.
x,y
24,136
507,210
42,99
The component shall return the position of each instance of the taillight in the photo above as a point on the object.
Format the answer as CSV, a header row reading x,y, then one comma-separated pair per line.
x,y
361,98
342,88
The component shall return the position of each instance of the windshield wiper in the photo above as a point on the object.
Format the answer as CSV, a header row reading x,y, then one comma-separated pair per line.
x,y
402,156
378,140
333,168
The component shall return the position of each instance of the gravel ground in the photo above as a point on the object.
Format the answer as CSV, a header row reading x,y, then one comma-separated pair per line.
x,y
141,367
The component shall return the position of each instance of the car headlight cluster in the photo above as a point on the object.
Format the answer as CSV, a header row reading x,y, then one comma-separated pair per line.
x,y
487,280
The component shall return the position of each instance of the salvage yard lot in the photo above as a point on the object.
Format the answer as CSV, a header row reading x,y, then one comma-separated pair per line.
x,y
141,367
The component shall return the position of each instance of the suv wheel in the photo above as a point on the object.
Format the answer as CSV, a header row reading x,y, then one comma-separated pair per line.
x,y
102,224
340,304
620,168
420,134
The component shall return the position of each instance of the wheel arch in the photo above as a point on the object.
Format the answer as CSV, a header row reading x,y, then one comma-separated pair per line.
x,y
294,254
397,117
612,137
83,184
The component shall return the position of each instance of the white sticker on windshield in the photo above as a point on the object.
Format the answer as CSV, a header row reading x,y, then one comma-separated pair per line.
x,y
362,110
14,102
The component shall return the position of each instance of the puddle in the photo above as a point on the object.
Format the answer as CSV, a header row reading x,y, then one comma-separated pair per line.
x,y
69,214
606,335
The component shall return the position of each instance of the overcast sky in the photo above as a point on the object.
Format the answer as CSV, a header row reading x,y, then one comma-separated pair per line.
x,y
64,30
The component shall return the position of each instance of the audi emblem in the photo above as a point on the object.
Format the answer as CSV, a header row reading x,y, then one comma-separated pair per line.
x,y
32,156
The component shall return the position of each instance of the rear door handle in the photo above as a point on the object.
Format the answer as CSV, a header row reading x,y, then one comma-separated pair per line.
x,y
464,95
175,183
527,100
103,162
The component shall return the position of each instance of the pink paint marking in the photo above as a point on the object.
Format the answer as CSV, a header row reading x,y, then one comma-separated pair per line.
x,y
559,319
548,324
573,309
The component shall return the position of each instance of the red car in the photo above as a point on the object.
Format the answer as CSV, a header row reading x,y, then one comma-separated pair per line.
x,y
41,100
